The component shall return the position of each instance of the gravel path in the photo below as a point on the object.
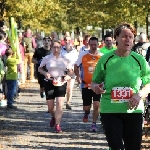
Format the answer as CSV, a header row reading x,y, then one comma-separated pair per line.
x,y
27,128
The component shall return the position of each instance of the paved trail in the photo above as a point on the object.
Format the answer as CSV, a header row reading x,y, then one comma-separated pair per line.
x,y
28,127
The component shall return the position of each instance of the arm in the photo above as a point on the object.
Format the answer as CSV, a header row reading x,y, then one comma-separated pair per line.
x,y
33,42
145,76
42,71
98,78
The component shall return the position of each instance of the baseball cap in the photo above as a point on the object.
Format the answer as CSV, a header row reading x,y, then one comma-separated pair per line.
x,y
46,37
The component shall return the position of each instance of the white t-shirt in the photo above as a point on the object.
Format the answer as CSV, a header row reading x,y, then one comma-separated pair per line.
x,y
56,66
72,55
83,49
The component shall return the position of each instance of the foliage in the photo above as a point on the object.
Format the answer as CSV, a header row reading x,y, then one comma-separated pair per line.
x,y
62,15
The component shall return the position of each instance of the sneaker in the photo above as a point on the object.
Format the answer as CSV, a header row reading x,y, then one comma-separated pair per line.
x,y
52,122
68,107
11,107
42,94
93,127
58,128
85,117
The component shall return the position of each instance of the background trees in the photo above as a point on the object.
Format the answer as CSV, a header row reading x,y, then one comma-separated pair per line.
x,y
62,15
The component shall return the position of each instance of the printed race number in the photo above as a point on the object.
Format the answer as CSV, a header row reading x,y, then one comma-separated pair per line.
x,y
121,94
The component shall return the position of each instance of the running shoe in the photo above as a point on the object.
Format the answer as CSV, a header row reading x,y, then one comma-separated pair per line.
x,y
52,122
58,128
85,117
93,127
68,107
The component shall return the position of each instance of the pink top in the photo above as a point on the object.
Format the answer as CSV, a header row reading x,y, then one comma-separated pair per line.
x,y
56,66
3,47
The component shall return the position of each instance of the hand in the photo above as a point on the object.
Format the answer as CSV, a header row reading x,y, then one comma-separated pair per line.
x,y
67,77
134,101
99,89
78,80
47,75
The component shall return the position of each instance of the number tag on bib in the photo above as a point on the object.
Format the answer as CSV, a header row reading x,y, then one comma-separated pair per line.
x,y
121,94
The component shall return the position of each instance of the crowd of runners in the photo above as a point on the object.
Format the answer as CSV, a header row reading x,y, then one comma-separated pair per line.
x,y
113,75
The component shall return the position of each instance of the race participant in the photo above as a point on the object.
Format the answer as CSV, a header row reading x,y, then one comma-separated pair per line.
x,y
71,54
87,62
108,44
122,71
55,82
86,44
39,54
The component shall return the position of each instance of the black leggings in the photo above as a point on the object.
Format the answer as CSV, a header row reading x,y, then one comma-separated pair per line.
x,y
123,128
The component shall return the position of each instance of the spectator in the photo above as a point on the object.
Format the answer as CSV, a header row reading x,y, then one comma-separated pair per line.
x,y
30,46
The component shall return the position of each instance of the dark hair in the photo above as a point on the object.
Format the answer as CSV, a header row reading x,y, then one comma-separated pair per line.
x,y
93,39
122,26
9,52
47,37
107,35
87,36
1,36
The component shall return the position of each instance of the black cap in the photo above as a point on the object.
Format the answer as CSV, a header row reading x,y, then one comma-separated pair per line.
x,y
46,37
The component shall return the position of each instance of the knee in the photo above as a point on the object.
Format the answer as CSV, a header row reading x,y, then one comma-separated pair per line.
x,y
96,106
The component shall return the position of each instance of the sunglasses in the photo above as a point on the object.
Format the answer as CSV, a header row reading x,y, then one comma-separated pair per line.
x,y
56,47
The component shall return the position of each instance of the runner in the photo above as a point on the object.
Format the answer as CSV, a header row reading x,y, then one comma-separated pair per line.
x,y
86,44
87,62
37,58
122,71
71,54
55,82
108,44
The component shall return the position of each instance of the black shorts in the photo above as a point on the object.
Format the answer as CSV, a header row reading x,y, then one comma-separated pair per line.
x,y
40,79
88,95
52,91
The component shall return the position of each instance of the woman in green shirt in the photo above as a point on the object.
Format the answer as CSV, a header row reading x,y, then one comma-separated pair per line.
x,y
122,72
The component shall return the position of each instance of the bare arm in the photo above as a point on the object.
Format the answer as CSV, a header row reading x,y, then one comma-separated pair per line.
x,y
145,91
76,70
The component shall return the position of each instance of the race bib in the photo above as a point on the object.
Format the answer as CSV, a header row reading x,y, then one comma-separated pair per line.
x,y
57,81
121,94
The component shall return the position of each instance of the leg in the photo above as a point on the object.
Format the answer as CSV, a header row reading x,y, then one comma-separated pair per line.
x,y
23,73
31,65
132,131
11,88
25,65
41,83
70,85
49,91
87,101
113,126
50,104
96,105
59,112
59,93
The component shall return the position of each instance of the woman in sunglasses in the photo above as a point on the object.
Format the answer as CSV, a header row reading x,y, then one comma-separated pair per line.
x,y
57,72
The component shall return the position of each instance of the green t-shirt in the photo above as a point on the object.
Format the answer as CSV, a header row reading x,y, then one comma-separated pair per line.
x,y
11,63
115,71
104,50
